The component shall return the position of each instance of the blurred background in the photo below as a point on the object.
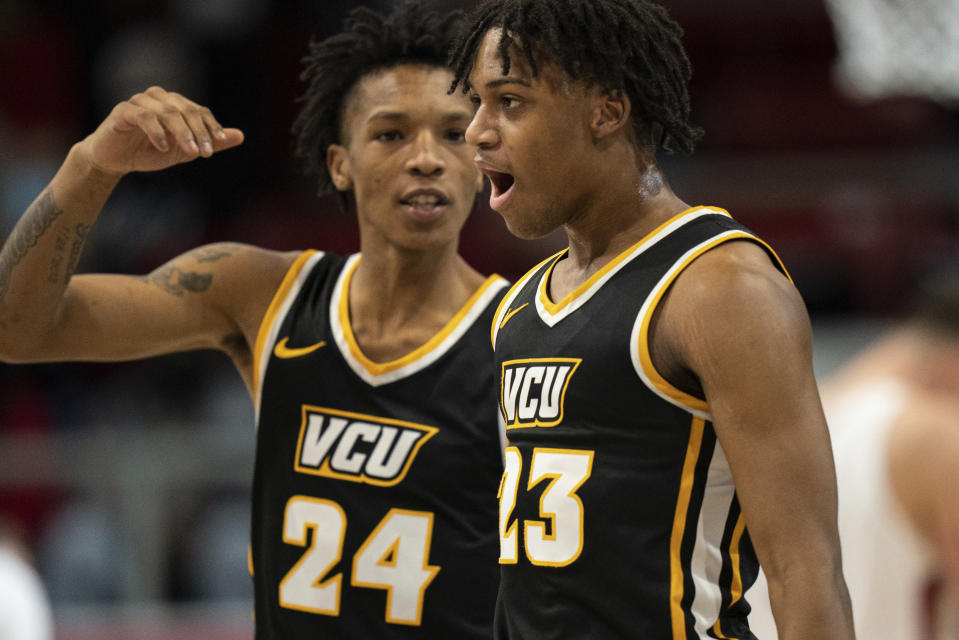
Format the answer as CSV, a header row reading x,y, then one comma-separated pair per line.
x,y
831,130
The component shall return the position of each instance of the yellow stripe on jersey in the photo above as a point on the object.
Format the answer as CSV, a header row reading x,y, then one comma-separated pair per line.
x,y
554,308
679,396
677,573
272,311
508,298
736,587
379,368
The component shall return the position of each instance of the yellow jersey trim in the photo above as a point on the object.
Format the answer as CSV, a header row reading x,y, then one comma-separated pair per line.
x,y
553,308
380,368
736,587
652,375
510,295
271,314
677,574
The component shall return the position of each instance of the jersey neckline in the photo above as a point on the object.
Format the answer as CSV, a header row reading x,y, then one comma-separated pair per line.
x,y
552,312
376,373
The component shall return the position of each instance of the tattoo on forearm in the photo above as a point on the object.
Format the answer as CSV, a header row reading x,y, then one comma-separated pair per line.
x,y
59,249
176,282
210,254
80,236
34,223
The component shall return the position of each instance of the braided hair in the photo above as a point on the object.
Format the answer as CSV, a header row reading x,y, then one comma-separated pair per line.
x,y
628,46
369,42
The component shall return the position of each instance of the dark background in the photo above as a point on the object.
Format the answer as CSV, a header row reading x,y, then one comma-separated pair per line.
x,y
147,464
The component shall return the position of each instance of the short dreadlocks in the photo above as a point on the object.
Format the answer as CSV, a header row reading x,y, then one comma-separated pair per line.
x,y
632,46
369,42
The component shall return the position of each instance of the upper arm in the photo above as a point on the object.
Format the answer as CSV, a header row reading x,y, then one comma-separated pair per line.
x,y
212,297
740,327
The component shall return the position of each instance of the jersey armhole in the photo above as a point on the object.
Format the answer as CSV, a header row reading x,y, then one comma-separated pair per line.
x,y
266,335
639,337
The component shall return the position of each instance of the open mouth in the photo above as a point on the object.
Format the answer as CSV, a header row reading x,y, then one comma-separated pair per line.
x,y
425,205
425,201
501,182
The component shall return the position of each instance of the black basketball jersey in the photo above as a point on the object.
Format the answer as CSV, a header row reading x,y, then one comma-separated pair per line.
x,y
374,509
618,515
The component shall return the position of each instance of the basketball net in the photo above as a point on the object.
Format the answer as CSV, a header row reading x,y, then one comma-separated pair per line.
x,y
898,48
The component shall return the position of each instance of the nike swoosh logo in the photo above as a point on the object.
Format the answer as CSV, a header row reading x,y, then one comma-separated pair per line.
x,y
509,316
283,351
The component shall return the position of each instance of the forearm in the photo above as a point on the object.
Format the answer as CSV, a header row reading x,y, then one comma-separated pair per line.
x,y
41,253
811,602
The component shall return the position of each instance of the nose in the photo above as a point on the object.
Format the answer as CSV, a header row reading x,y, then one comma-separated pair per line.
x,y
480,133
426,158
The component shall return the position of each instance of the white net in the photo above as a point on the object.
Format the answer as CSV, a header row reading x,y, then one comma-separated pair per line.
x,y
898,48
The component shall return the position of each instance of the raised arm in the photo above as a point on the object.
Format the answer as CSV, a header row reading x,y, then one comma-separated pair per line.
x,y
736,328
48,314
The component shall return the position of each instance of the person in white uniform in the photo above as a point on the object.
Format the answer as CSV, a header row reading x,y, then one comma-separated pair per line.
x,y
25,612
893,413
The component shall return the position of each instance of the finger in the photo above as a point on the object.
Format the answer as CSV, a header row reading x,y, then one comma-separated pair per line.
x,y
231,138
171,117
130,116
200,120
219,137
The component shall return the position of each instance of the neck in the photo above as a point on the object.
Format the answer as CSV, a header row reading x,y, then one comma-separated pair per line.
x,y
625,207
396,291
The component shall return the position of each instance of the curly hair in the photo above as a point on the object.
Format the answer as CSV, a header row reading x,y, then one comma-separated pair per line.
x,y
369,42
631,46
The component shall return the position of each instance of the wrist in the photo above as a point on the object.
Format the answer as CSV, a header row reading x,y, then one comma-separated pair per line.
x,y
81,160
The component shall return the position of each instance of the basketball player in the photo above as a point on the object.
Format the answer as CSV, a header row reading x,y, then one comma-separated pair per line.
x,y
378,449
893,412
656,375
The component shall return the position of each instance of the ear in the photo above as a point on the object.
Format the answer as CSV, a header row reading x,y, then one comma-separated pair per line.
x,y
610,113
338,164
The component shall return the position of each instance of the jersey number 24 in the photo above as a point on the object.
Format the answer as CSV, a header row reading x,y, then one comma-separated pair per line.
x,y
394,557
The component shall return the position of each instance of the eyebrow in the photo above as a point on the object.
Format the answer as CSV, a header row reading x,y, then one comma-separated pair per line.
x,y
498,82
396,116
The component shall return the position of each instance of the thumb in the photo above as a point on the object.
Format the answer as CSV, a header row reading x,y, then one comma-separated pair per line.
x,y
230,138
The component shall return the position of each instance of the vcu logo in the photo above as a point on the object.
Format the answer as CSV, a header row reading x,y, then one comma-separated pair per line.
x,y
532,391
358,447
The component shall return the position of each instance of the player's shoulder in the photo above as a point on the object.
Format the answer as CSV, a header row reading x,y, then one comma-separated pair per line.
x,y
734,297
736,275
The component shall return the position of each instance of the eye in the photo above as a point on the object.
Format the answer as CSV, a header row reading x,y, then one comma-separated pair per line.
x,y
475,99
456,135
387,136
508,102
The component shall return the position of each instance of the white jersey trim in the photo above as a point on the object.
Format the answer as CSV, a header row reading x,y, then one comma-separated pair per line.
x,y
551,318
649,306
275,324
492,288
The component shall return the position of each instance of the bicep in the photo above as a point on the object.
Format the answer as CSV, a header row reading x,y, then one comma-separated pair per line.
x,y
188,303
743,331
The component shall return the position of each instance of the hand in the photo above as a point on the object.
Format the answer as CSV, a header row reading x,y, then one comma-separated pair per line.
x,y
154,130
